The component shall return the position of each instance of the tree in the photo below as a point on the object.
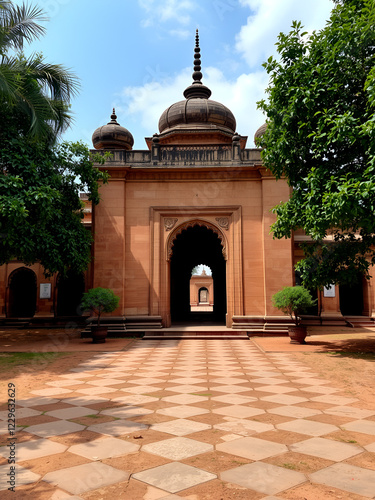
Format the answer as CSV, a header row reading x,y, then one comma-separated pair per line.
x,y
320,136
99,300
37,92
293,300
40,209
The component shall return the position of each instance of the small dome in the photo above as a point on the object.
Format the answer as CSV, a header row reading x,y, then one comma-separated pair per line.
x,y
197,112
112,136
260,132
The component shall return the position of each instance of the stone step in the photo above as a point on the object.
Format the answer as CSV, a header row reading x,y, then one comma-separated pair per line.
x,y
195,334
195,337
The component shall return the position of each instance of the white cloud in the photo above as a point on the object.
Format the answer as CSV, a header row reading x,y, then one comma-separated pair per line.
x,y
147,102
183,34
141,106
256,40
166,10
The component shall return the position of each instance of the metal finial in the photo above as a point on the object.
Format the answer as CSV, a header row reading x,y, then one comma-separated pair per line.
x,y
197,89
197,75
113,118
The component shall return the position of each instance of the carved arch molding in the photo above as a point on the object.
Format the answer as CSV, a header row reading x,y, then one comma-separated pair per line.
x,y
193,223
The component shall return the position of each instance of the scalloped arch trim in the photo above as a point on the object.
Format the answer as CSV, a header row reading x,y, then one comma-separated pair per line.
x,y
193,223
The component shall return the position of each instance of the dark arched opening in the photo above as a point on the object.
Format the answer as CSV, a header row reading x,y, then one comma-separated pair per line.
x,y
22,293
351,298
191,247
70,289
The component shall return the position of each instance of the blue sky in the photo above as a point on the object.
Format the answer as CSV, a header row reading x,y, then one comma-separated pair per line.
x,y
137,55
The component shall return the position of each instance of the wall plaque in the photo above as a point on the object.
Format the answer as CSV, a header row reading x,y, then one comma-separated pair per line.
x,y
45,291
329,291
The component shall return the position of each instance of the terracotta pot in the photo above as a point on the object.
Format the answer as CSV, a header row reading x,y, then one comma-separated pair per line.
x,y
99,334
297,334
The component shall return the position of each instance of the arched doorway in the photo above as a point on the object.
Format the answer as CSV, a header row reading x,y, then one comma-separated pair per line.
x,y
22,293
70,289
203,295
192,246
351,298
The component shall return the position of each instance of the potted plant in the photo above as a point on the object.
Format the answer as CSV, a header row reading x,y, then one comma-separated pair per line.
x,y
294,300
99,300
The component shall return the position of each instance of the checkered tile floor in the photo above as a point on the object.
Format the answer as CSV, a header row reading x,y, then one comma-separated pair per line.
x,y
157,412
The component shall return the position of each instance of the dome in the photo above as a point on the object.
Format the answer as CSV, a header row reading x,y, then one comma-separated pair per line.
x,y
258,134
200,112
112,136
197,114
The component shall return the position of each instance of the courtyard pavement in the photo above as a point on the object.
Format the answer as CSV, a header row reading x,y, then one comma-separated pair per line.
x,y
171,419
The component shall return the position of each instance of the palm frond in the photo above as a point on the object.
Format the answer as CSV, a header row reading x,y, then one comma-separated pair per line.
x,y
9,80
19,24
57,80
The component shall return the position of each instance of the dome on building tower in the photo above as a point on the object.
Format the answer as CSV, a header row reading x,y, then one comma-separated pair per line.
x,y
112,136
197,115
259,133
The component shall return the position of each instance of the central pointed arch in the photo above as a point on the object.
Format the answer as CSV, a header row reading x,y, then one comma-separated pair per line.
x,y
192,223
192,243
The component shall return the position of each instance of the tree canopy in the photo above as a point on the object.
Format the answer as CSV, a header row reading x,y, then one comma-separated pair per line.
x,y
40,181
36,92
40,209
320,136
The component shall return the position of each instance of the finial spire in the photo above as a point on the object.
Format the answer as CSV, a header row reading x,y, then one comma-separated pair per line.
x,y
197,89
113,118
197,75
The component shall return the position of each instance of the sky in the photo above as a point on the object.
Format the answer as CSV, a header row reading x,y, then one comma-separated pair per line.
x,y
137,55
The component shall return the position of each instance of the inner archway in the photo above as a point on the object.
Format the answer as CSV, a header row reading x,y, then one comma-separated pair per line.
x,y
192,246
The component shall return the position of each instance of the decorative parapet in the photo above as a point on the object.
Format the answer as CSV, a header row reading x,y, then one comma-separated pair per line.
x,y
182,156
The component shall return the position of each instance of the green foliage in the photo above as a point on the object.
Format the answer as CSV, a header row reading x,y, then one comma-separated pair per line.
x,y
321,137
40,209
293,300
99,300
34,92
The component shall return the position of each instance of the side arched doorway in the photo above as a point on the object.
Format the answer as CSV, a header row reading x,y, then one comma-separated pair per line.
x,y
203,295
22,293
192,246
70,289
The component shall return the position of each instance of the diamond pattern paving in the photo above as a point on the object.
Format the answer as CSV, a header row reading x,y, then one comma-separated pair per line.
x,y
264,478
177,448
180,427
309,427
252,448
174,477
211,397
56,428
326,448
34,449
23,476
103,448
348,478
87,477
